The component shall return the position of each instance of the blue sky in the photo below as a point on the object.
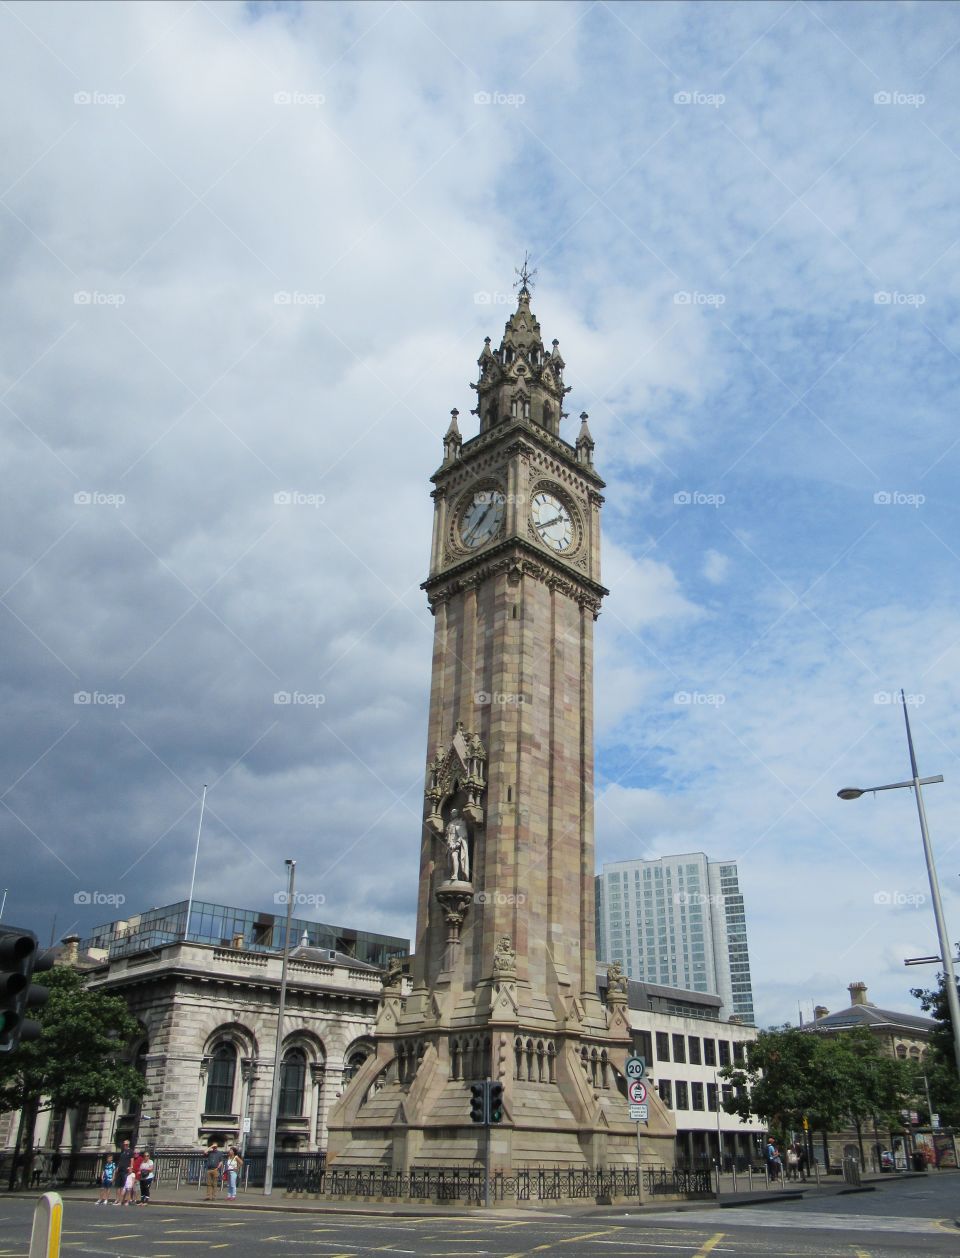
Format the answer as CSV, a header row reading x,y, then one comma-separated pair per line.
x,y
744,221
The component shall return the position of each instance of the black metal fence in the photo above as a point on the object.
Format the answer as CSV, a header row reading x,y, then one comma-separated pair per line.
x,y
466,1184
306,1174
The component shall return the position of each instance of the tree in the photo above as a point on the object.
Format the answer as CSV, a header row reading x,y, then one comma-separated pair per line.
x,y
75,1060
829,1080
940,1063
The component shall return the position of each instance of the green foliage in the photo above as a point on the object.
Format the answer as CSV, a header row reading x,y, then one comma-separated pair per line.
x,y
75,1060
940,1062
831,1080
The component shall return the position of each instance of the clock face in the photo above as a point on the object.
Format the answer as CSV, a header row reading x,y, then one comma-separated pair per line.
x,y
482,518
552,522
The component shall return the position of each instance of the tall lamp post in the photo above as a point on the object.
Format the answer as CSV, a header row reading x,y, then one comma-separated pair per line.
x,y
946,948
278,1053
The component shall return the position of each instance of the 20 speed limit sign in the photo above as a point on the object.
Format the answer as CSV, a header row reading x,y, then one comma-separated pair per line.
x,y
636,1091
636,1068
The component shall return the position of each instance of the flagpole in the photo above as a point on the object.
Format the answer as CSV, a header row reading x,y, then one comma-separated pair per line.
x,y
196,855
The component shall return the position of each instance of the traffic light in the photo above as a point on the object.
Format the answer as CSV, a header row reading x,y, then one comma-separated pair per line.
x,y
478,1102
20,959
496,1102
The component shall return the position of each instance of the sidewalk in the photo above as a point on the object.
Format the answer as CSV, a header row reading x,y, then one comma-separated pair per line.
x,y
253,1199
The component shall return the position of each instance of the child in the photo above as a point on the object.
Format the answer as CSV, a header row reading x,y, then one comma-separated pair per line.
x,y
106,1179
129,1187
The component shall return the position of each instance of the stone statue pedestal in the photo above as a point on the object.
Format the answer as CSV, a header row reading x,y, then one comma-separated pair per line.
x,y
455,898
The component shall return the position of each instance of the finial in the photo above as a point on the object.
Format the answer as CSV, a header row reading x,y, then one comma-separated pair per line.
x,y
525,276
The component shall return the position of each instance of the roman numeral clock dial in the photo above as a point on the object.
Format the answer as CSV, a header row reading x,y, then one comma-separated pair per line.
x,y
482,518
552,522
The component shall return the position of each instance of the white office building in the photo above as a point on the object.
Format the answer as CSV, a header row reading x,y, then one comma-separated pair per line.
x,y
679,922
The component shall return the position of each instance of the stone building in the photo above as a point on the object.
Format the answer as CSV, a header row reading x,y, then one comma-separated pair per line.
x,y
902,1035
207,1011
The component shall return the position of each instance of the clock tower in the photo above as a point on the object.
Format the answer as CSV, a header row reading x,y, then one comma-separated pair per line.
x,y
504,974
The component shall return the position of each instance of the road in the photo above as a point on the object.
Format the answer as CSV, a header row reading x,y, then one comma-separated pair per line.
x,y
907,1220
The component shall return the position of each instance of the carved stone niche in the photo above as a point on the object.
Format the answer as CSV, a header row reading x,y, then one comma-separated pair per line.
x,y
460,770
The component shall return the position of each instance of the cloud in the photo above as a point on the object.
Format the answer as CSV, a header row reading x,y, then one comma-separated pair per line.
x,y
255,275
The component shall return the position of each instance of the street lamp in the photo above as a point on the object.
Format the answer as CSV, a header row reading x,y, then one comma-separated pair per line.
x,y
278,1050
946,949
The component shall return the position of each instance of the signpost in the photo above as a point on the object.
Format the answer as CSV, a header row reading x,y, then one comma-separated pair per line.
x,y
639,1112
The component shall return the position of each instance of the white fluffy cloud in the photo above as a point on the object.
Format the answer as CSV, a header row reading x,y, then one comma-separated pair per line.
x,y
252,251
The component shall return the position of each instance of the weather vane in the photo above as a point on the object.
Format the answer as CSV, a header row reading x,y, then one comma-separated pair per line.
x,y
525,276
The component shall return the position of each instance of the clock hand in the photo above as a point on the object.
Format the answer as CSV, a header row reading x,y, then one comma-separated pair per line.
x,y
556,520
476,528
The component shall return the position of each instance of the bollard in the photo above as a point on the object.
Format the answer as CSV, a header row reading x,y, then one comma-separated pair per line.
x,y
816,1167
766,1175
750,1177
734,1168
47,1225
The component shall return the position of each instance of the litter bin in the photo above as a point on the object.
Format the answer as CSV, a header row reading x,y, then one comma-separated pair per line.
x,y
919,1161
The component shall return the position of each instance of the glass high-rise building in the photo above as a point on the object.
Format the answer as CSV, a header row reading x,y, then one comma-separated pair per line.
x,y
678,921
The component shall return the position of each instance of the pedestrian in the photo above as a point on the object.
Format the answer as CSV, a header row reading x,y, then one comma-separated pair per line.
x,y
124,1158
803,1165
234,1165
212,1159
773,1159
146,1177
793,1162
107,1178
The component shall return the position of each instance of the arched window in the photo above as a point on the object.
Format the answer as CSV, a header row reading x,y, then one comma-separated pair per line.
x,y
221,1074
354,1062
293,1079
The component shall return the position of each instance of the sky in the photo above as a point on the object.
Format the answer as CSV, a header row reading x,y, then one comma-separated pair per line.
x,y
250,254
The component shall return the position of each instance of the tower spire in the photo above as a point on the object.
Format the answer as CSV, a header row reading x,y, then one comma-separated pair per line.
x,y
521,380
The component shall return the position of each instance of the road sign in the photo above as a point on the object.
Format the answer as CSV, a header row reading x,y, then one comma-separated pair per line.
x,y
636,1092
636,1067
246,1126
639,1113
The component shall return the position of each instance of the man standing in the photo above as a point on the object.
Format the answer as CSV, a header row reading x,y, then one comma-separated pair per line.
x,y
124,1158
212,1159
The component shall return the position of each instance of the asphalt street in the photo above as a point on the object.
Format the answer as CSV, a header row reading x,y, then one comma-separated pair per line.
x,y
905,1220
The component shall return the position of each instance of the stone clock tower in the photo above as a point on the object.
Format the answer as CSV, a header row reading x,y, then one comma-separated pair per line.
x,y
504,976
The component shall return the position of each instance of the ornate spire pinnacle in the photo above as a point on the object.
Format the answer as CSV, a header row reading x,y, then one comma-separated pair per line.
x,y
521,380
452,440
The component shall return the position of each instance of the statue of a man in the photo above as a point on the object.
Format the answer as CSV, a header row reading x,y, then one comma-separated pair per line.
x,y
457,849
